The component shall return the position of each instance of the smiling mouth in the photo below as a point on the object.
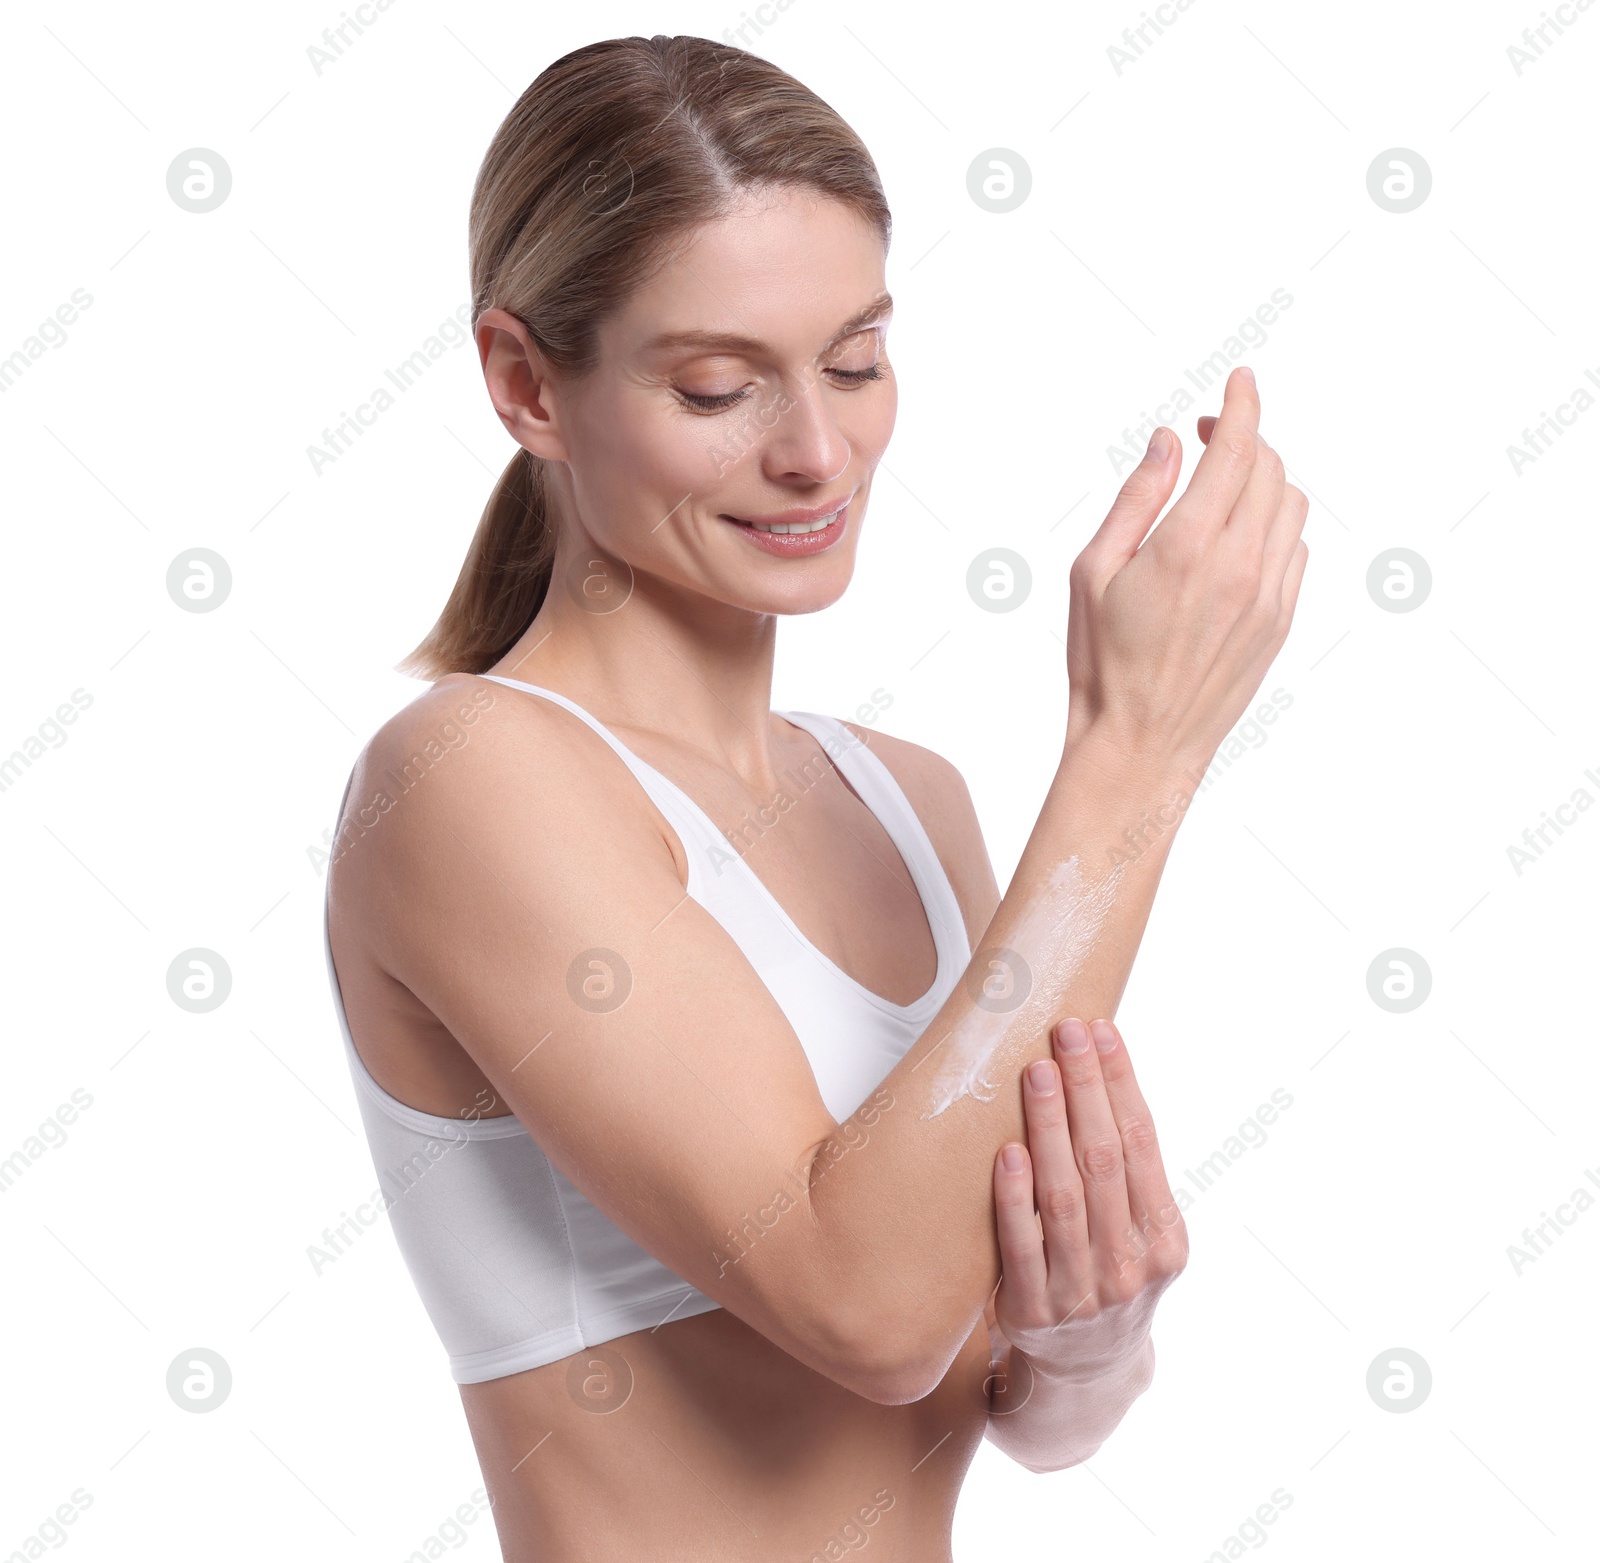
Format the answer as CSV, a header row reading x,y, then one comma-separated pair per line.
x,y
798,534
796,522
784,528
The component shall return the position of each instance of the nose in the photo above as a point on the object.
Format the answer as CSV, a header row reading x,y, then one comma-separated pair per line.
x,y
804,442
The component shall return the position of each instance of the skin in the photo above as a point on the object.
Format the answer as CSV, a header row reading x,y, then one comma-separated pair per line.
x,y
869,1341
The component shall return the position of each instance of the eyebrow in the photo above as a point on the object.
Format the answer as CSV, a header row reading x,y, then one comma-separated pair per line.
x,y
733,342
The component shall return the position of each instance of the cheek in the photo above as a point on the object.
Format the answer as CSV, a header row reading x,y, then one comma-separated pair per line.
x,y
875,424
635,453
690,455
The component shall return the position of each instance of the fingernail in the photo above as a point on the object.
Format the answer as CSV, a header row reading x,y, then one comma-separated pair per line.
x,y
1157,448
1012,1157
1074,1036
1248,373
1105,1035
1041,1078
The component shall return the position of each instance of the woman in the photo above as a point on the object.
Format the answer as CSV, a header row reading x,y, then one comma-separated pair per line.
x,y
712,1146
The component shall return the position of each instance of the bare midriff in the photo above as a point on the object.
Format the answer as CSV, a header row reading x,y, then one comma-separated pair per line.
x,y
702,1442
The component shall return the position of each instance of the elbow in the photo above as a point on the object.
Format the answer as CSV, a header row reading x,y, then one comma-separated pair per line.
x,y
890,1367
880,1344
893,1384
876,1361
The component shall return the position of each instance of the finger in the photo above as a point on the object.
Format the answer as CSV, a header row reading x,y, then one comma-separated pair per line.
x,y
1150,1201
1292,578
1254,552
1226,462
1096,1143
1280,551
1147,488
1257,504
1057,1185
1239,551
1021,1247
1283,538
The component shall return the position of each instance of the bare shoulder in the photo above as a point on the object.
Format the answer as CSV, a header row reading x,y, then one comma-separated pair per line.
x,y
424,741
458,776
491,741
938,792
442,720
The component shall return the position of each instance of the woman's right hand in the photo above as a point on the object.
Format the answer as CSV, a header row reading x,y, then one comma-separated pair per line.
x,y
1170,635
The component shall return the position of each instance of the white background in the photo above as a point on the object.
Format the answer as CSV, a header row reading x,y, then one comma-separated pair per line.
x,y
1167,203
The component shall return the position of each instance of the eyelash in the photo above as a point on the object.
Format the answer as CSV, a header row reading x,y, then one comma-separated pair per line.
x,y
732,398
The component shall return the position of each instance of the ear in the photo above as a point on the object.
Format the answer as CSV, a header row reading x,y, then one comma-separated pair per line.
x,y
520,384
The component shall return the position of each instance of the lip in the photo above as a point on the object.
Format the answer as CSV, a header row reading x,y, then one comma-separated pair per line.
x,y
795,517
795,545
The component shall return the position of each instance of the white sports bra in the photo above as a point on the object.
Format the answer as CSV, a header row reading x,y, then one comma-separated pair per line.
x,y
514,1265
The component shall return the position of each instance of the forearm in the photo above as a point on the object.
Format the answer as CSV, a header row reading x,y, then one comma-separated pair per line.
x,y
1048,1420
903,1224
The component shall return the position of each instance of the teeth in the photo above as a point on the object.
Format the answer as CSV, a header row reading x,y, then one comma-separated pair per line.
x,y
798,526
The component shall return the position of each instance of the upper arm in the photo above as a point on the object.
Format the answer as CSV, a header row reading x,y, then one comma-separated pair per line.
x,y
526,893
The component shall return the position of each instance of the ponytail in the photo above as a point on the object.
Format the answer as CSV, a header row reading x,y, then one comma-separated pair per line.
x,y
502,582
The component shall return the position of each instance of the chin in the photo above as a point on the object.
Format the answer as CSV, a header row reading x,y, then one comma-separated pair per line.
x,y
813,601
787,590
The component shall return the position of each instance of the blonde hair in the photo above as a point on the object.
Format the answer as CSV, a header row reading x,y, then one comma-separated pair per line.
x,y
615,151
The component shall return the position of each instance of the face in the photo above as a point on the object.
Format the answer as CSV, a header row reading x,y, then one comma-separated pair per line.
x,y
744,387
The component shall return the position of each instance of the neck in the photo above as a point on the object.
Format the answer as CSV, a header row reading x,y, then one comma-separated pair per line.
x,y
656,658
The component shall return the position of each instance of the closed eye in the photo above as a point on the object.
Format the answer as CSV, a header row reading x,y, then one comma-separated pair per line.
x,y
712,403
721,403
858,376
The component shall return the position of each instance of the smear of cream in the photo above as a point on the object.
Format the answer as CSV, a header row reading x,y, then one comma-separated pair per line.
x,y
1059,930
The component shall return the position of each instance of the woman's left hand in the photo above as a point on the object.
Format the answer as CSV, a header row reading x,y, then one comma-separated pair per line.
x,y
1080,1281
